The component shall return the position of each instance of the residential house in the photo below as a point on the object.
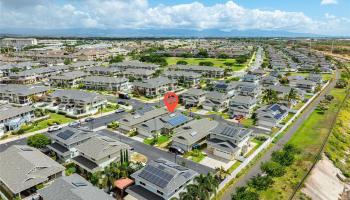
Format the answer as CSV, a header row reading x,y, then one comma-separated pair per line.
x,y
216,101
192,134
228,141
22,94
65,140
271,115
75,103
138,74
23,168
210,72
72,187
248,89
307,85
98,152
160,180
252,78
163,124
106,83
129,122
12,118
192,97
134,64
242,105
67,79
283,91
184,78
104,71
228,88
154,87
269,80
317,78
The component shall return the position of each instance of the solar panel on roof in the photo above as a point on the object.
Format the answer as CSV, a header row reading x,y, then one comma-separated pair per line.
x,y
156,176
177,120
274,107
278,116
65,134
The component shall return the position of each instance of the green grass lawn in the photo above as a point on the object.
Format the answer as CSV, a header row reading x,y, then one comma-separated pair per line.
x,y
234,166
258,144
110,107
54,117
247,122
223,115
161,139
195,155
289,116
216,61
308,138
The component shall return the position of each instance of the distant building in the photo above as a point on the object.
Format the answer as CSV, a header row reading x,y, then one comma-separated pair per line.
x,y
18,43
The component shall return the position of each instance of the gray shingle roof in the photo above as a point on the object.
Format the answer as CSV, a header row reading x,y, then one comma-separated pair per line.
x,y
22,90
154,82
131,120
73,187
8,111
69,135
70,75
104,79
100,146
23,167
77,95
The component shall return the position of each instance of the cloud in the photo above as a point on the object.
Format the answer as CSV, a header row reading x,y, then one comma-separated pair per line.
x,y
138,14
328,2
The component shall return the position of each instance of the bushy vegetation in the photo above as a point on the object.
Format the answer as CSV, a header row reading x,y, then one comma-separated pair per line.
x,y
153,58
38,141
113,125
116,59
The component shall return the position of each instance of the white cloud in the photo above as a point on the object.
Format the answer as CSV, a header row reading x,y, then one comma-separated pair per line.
x,y
328,2
138,14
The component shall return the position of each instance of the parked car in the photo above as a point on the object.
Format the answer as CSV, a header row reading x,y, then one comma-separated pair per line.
x,y
123,96
176,150
122,103
119,110
73,124
54,128
89,119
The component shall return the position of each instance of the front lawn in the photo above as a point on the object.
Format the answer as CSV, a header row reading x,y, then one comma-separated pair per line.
x,y
110,107
234,166
195,155
247,122
54,119
160,140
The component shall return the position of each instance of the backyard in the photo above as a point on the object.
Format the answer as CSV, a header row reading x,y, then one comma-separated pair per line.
x,y
216,61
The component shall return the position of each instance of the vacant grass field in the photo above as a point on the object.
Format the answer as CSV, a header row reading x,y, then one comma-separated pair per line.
x,y
216,61
308,138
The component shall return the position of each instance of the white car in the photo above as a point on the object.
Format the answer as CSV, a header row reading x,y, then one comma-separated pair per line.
x,y
54,128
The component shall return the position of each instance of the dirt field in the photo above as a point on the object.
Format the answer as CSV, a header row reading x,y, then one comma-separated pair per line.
x,y
323,183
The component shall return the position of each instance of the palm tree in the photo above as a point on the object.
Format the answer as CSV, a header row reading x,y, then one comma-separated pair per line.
x,y
292,95
222,173
270,96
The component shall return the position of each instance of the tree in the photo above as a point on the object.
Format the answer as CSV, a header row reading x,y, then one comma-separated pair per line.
x,y
38,141
283,157
67,61
284,80
242,193
181,62
292,95
223,56
116,59
260,182
273,169
270,96
242,59
206,63
202,53
154,58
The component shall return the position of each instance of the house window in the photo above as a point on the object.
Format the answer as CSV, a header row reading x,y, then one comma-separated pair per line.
x,y
142,183
159,192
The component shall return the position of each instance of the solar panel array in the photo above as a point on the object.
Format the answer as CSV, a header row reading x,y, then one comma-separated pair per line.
x,y
229,131
156,176
275,107
177,120
65,134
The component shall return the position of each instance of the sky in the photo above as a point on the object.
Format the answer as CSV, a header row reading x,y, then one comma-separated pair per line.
x,y
324,17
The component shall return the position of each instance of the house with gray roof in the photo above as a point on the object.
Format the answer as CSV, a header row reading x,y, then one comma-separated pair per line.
x,y
106,83
242,106
12,118
207,71
34,75
269,80
22,94
251,78
162,124
130,121
138,74
282,91
65,140
192,134
248,89
229,141
75,103
307,85
216,101
184,78
135,64
271,115
67,79
160,180
193,97
23,167
104,71
154,87
73,187
98,152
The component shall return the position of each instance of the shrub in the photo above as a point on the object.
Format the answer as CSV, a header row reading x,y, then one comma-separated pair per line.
x,y
260,182
38,141
273,169
243,193
283,157
181,62
206,63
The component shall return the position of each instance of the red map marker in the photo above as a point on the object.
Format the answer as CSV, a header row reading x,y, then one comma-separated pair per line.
x,y
171,100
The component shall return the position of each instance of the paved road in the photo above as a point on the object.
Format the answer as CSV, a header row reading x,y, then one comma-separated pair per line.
x,y
154,153
280,143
